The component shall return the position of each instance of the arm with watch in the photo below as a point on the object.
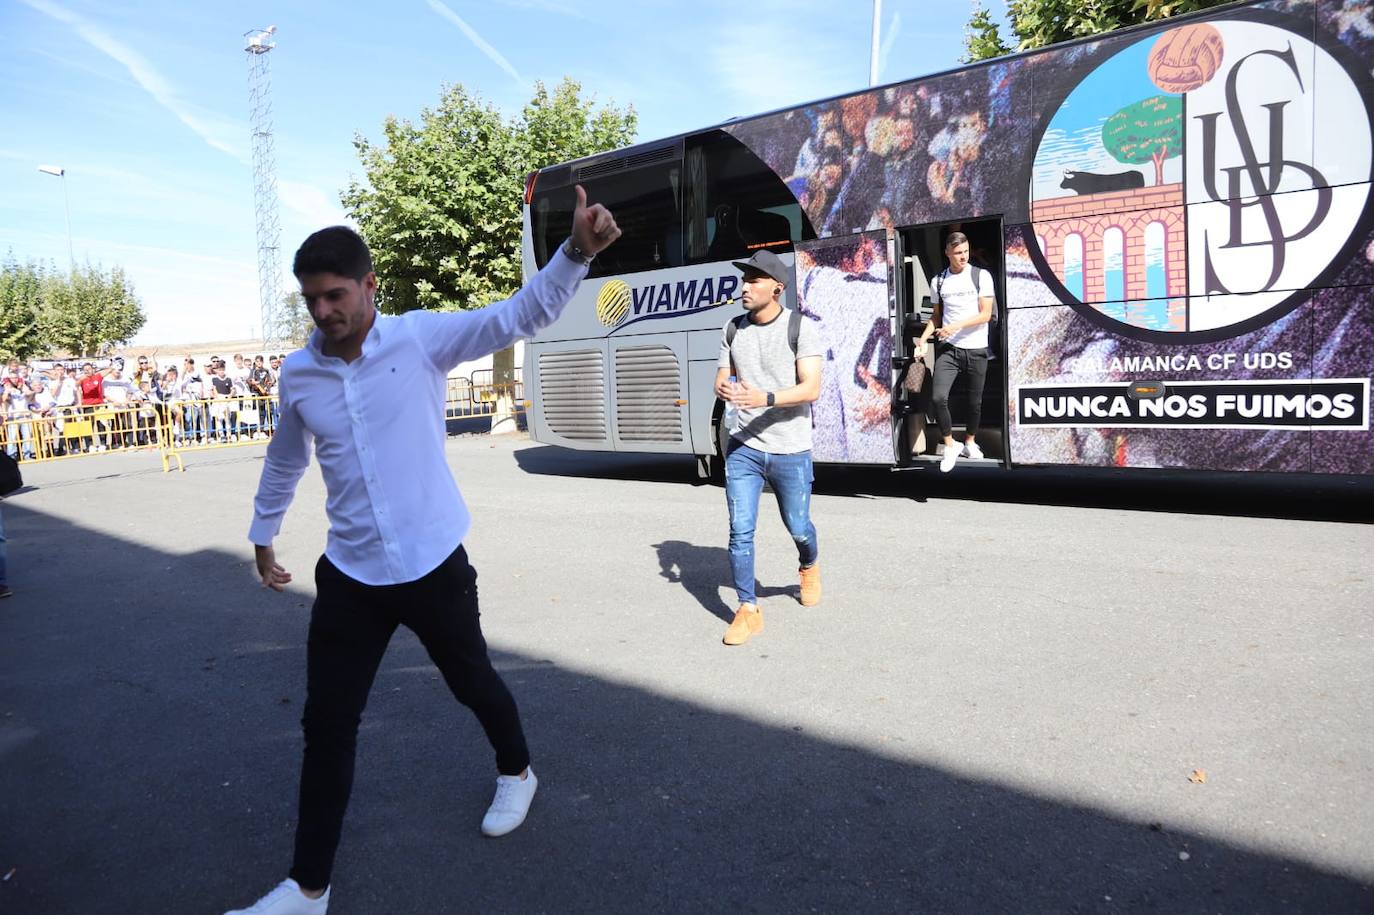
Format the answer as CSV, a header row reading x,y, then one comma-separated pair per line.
x,y
806,390
449,338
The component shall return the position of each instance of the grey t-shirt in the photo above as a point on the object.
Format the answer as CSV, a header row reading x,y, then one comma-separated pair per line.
x,y
763,358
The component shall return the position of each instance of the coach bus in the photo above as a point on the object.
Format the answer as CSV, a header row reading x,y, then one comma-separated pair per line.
x,y
1177,218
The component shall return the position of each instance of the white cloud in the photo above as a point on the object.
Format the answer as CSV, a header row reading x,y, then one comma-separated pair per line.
x,y
311,205
210,127
894,29
492,54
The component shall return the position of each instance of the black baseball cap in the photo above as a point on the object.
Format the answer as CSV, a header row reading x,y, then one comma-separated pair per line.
x,y
767,262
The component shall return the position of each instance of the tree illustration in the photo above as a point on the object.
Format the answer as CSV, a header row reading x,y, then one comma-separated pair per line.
x,y
1150,130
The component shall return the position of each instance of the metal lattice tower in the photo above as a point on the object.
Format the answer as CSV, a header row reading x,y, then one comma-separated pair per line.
x,y
258,43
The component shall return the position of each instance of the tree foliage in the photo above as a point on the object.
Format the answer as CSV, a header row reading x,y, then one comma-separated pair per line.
x,y
1150,130
441,203
982,40
294,323
82,312
21,307
1037,23
90,310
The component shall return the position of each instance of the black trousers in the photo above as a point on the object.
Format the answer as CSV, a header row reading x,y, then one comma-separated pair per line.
x,y
950,362
350,627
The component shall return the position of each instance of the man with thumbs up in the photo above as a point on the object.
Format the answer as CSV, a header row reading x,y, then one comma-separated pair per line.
x,y
394,554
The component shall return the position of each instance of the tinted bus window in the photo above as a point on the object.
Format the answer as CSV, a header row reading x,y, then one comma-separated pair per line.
x,y
735,203
646,204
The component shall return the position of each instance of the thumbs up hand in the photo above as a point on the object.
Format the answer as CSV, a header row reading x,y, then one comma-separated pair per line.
x,y
594,227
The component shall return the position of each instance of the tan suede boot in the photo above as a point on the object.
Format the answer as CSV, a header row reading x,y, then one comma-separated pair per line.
x,y
810,585
747,622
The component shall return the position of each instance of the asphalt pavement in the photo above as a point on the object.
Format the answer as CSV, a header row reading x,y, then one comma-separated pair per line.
x,y
1028,691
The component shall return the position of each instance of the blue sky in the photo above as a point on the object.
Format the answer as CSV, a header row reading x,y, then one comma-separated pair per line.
x,y
146,106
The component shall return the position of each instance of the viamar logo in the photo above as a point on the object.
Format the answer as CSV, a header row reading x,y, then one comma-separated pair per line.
x,y
616,300
613,302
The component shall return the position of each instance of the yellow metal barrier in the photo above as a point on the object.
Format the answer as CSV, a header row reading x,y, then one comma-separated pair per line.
x,y
216,422
177,426
466,400
65,433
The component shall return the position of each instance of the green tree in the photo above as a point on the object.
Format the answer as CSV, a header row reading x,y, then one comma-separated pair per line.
x,y
90,310
440,205
1150,130
982,40
21,305
294,322
1037,23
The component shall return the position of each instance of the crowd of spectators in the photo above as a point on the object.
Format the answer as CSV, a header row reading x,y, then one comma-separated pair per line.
x,y
223,402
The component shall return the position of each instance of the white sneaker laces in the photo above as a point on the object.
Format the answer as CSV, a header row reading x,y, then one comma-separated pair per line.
x,y
505,793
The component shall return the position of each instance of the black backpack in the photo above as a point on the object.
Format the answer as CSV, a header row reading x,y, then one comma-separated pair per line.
x,y
11,479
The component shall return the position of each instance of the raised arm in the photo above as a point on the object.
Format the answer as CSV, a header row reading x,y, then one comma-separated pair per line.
x,y
451,338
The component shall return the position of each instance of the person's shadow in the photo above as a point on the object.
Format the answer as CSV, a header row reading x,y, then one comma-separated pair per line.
x,y
703,570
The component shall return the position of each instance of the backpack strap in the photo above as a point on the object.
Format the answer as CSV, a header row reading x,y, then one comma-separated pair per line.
x,y
730,330
733,327
794,320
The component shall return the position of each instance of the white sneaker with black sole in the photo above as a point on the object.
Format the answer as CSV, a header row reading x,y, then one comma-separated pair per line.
x,y
286,899
971,450
511,804
948,459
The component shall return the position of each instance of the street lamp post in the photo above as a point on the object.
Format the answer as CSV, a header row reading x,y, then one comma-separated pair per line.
x,y
873,51
67,203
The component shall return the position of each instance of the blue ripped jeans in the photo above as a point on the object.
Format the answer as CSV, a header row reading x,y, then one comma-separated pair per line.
x,y
790,475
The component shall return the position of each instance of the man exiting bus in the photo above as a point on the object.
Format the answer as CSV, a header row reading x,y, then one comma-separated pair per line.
x,y
775,361
963,298
394,554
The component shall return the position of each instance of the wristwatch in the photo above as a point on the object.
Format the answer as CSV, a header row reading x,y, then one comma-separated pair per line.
x,y
770,398
576,253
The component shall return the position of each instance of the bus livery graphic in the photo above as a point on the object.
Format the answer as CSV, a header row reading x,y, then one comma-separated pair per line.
x,y
1188,203
1226,220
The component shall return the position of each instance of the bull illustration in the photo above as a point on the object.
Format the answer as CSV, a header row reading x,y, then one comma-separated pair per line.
x,y
1094,183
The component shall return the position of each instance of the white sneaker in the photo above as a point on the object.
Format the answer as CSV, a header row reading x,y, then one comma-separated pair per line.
x,y
948,458
286,899
512,802
971,450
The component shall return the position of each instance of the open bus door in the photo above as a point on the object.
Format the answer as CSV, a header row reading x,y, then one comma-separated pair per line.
x,y
919,250
847,285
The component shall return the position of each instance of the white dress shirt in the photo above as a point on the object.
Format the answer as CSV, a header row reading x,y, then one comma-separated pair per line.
x,y
377,423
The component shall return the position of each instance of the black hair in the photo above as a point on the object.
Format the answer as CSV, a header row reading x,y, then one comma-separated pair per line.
x,y
338,250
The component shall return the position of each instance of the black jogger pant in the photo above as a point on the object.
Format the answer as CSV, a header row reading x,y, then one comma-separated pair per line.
x,y
950,362
350,626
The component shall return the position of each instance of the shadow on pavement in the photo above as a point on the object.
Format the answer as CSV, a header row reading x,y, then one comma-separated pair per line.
x,y
1254,495
704,571
149,747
